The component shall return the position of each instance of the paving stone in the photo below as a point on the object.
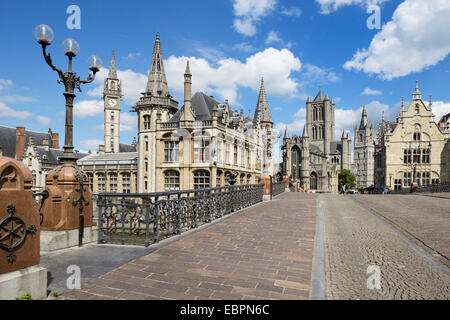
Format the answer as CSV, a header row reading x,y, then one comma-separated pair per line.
x,y
232,259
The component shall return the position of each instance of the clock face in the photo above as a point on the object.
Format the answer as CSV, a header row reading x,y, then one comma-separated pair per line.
x,y
112,102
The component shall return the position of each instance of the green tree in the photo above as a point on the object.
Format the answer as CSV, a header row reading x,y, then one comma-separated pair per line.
x,y
346,177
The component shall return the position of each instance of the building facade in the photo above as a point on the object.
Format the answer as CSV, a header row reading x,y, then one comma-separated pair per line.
x,y
315,159
200,144
364,151
413,149
39,151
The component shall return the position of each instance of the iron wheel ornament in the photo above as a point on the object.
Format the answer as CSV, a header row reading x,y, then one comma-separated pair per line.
x,y
15,233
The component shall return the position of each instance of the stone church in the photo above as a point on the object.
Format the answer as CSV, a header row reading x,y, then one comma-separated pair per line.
x,y
315,159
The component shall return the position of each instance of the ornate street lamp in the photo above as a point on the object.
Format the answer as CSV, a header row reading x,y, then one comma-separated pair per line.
x,y
68,168
44,35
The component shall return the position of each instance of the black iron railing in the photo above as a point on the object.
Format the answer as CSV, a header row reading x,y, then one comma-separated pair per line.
x,y
278,188
148,218
443,187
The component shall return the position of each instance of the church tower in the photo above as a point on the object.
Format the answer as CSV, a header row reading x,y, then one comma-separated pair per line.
x,y
156,104
263,120
364,149
112,93
320,122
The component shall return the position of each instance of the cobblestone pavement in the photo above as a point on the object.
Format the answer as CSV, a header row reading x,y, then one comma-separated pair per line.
x,y
264,252
424,220
355,239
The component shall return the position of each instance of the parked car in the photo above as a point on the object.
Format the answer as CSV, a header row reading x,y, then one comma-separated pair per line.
x,y
372,190
353,191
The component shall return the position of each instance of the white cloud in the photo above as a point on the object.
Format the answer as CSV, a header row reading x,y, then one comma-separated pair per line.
x,y
133,83
318,76
128,122
91,144
291,12
273,37
6,111
275,65
244,47
249,12
88,108
329,6
415,39
371,92
133,55
16,99
440,109
5,83
43,120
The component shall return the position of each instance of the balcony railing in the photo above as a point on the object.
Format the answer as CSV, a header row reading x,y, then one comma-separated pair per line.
x,y
148,218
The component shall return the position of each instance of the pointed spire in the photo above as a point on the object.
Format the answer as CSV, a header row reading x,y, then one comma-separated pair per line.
x,y
305,132
364,120
308,100
157,81
188,69
319,97
112,69
417,94
262,109
431,102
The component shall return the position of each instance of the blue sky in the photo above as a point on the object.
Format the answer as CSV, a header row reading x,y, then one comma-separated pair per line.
x,y
298,46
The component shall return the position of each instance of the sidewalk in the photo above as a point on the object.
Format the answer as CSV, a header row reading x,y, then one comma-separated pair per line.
x,y
264,252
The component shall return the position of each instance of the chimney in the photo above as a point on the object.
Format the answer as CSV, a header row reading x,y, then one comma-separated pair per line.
x,y
20,142
55,139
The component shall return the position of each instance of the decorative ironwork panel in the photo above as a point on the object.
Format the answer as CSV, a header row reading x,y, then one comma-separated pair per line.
x,y
149,218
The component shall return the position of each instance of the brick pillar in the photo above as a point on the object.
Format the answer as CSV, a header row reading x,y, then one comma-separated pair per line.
x,y
20,272
265,181
20,142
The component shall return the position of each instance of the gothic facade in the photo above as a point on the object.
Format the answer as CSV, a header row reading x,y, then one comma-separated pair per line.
x,y
315,159
200,144
413,149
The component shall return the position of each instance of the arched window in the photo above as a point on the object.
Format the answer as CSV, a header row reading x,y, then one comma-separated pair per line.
x,y
147,122
172,180
202,179
295,162
313,182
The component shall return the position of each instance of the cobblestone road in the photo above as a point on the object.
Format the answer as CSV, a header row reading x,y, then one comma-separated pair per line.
x,y
265,252
355,239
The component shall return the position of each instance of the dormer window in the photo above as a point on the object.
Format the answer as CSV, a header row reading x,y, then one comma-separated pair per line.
x,y
417,136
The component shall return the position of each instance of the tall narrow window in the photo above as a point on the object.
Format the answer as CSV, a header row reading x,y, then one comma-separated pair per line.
x,y
426,156
235,153
147,122
91,181
126,183
113,182
407,179
201,151
171,151
416,156
101,182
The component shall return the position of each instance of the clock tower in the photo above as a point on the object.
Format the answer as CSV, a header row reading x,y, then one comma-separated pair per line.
x,y
112,94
